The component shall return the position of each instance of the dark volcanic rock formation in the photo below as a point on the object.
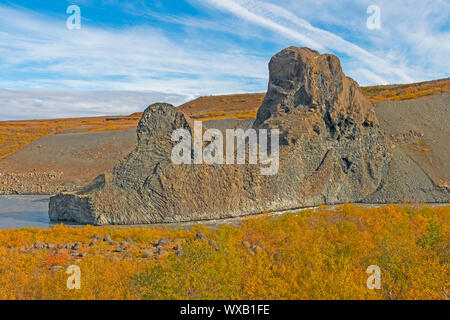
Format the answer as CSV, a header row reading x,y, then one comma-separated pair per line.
x,y
331,151
328,129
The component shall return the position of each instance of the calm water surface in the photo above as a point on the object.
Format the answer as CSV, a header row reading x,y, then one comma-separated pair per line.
x,y
18,211
24,211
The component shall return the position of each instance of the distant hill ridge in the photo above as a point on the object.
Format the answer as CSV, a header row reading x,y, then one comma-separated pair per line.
x,y
14,135
244,106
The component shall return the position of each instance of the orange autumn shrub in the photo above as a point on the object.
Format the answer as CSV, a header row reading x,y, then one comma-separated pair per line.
x,y
55,259
101,278
313,254
320,254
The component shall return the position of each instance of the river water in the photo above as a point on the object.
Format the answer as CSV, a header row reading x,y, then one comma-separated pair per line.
x,y
19,211
24,211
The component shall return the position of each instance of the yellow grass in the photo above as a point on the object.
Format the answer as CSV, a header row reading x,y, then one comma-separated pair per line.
x,y
319,254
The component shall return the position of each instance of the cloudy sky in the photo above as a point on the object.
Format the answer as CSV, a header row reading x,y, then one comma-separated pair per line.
x,y
129,54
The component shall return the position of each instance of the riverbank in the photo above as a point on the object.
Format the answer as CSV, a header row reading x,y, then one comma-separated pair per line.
x,y
22,211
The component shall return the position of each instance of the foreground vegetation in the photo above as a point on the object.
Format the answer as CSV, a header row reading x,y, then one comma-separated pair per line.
x,y
314,254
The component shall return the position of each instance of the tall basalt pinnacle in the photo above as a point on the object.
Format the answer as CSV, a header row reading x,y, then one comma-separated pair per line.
x,y
332,151
303,81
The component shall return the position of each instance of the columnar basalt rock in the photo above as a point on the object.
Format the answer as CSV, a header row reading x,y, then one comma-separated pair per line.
x,y
332,151
329,130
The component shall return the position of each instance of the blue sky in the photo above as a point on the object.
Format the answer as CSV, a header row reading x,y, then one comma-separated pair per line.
x,y
129,54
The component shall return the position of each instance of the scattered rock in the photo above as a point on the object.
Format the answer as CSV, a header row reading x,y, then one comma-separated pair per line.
x,y
77,246
56,268
79,254
161,251
257,248
246,244
65,245
200,236
163,242
97,237
120,249
148,253
39,245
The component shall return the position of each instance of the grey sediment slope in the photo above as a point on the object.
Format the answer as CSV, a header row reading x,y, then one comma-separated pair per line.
x,y
64,161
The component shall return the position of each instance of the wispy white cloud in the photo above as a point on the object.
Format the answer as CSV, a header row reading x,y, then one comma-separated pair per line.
x,y
141,56
249,11
224,48
129,59
282,21
47,103
412,45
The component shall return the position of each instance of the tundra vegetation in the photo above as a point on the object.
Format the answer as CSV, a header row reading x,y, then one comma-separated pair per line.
x,y
312,254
